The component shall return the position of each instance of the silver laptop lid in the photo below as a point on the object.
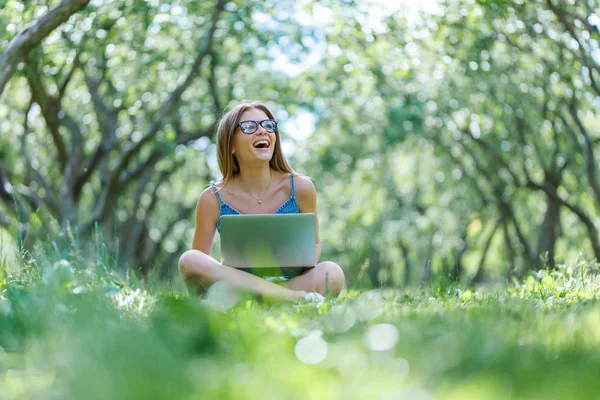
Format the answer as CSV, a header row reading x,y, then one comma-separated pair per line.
x,y
269,241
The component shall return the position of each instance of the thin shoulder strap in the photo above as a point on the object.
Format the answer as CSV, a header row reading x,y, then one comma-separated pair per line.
x,y
292,184
216,191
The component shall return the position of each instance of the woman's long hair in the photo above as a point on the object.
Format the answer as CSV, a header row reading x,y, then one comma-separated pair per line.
x,y
228,163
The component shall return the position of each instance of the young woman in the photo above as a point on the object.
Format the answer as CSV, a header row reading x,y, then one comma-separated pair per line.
x,y
257,179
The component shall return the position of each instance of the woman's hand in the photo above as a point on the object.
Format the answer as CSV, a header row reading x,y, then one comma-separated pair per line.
x,y
299,295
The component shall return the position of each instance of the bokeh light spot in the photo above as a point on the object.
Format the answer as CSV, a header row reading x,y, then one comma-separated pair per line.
x,y
401,368
340,319
221,296
311,349
368,305
381,337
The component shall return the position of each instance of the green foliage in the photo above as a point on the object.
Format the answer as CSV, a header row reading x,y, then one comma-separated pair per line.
x,y
459,135
465,116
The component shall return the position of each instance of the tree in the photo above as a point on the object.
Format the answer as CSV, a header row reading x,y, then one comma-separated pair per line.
x,y
110,129
33,35
505,94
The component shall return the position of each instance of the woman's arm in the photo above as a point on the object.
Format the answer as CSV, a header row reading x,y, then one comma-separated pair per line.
x,y
307,202
207,212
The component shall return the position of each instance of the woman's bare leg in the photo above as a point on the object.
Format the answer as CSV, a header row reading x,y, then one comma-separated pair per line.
x,y
198,268
326,273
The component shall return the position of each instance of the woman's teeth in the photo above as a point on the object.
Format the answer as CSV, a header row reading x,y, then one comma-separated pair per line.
x,y
261,144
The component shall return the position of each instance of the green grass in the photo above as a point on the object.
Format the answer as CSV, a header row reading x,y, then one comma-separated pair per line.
x,y
75,329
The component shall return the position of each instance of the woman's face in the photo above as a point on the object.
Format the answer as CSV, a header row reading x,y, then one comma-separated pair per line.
x,y
256,146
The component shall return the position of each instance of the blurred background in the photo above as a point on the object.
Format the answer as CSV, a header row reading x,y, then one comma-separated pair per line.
x,y
457,139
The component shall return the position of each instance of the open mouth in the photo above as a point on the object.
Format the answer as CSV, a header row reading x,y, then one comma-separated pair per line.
x,y
261,144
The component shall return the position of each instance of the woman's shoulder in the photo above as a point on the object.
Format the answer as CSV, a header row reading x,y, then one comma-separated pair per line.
x,y
304,186
208,198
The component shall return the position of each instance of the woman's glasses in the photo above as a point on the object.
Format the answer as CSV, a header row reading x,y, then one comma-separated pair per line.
x,y
249,127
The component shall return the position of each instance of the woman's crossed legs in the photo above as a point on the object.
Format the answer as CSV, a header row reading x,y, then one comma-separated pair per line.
x,y
201,270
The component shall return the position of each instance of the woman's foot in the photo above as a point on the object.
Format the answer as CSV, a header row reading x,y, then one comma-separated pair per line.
x,y
314,297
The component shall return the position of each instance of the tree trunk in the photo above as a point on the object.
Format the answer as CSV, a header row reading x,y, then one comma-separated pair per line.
x,y
407,268
374,267
457,269
511,269
427,265
548,231
478,277
21,44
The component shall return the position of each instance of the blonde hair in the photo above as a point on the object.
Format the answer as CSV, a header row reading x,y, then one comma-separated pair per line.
x,y
228,163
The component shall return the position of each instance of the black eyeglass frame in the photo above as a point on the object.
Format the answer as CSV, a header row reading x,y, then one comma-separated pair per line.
x,y
257,123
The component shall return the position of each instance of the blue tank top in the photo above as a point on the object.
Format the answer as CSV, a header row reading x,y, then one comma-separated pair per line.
x,y
289,207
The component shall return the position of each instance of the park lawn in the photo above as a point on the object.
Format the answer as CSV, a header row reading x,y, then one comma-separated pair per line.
x,y
74,333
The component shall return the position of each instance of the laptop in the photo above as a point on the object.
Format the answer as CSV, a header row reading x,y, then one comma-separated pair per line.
x,y
269,244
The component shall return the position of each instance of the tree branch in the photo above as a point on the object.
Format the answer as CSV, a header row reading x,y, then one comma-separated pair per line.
x,y
21,44
585,60
592,231
107,118
212,82
590,158
14,205
62,87
504,207
478,277
50,110
157,154
105,147
495,155
104,200
183,214
139,225
50,197
71,170
70,162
